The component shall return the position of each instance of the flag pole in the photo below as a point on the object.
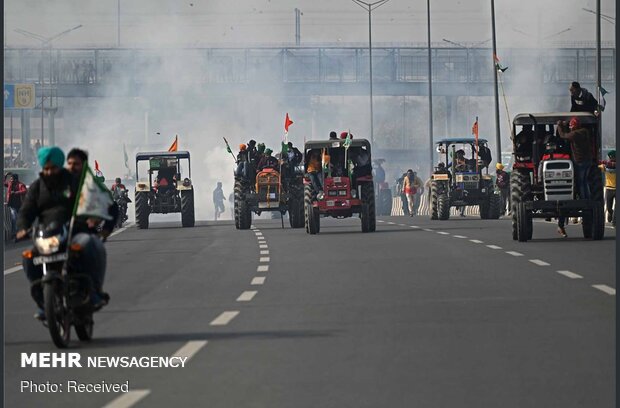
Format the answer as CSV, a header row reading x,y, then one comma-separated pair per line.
x,y
477,147
78,193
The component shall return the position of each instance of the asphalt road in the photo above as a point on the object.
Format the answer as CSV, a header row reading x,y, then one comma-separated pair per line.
x,y
419,314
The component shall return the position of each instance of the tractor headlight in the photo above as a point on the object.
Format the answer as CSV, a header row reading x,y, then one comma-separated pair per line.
x,y
342,192
549,174
187,182
47,246
354,193
567,174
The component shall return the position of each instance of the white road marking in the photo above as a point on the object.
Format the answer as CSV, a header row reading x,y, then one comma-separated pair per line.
x,y
224,318
494,247
262,268
118,231
12,270
476,241
413,226
247,296
380,221
443,233
190,348
428,230
259,280
570,274
604,288
128,399
539,262
260,238
391,223
258,233
265,252
514,253
402,225
263,246
264,259
460,236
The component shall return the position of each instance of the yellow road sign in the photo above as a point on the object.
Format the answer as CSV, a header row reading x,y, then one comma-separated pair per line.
x,y
24,96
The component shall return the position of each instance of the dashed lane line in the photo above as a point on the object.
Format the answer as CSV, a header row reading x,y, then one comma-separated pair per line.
x,y
128,399
476,241
264,252
263,246
391,223
460,236
224,318
428,230
12,270
443,233
494,247
247,296
414,226
539,262
606,289
118,231
259,280
514,253
264,259
262,268
570,274
190,349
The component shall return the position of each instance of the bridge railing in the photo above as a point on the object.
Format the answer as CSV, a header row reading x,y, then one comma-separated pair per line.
x,y
299,65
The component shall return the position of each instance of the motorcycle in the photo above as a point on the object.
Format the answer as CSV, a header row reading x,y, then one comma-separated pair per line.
x,y
122,199
66,289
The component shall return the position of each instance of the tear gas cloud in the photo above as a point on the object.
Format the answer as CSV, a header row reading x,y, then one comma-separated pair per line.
x,y
162,28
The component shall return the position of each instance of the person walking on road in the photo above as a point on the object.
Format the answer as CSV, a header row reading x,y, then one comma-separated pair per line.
x,y
609,168
502,181
410,190
218,200
15,193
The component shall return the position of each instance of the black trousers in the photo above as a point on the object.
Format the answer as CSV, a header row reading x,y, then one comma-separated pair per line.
x,y
610,198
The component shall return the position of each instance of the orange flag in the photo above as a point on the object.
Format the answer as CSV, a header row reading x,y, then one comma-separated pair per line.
x,y
175,145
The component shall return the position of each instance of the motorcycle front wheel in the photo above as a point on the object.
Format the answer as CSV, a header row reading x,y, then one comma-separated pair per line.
x,y
56,314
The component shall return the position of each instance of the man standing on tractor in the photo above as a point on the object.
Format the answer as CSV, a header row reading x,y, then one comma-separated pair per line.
x,y
218,200
609,168
581,99
582,158
314,169
267,161
502,181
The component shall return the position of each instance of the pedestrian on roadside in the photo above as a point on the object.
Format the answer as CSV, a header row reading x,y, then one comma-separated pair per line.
x,y
218,200
15,193
409,190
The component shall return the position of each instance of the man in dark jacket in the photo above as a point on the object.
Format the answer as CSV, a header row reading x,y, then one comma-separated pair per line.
x,y
581,100
51,199
502,181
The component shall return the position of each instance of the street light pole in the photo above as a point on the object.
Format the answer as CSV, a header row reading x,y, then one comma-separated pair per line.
x,y
118,24
370,7
430,87
498,137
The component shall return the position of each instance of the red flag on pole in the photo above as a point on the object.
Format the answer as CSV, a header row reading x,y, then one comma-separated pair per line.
x,y
287,122
175,145
97,166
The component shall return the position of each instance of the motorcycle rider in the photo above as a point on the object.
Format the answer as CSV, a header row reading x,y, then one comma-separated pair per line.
x,y
121,199
51,198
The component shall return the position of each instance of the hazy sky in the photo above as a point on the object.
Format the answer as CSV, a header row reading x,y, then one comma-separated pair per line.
x,y
202,22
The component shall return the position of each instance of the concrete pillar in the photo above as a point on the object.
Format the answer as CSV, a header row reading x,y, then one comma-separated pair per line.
x,y
51,112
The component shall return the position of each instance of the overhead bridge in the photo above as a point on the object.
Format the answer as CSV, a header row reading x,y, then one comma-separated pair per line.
x,y
304,71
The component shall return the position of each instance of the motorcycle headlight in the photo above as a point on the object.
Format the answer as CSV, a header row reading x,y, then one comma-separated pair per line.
x,y
47,246
354,193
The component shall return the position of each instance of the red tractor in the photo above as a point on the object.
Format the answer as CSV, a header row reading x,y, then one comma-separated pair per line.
x,y
346,183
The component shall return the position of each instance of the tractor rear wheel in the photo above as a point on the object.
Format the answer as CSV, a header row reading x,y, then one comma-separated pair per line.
x,y
524,223
188,218
142,210
520,190
296,207
434,197
598,222
495,206
369,220
243,213
384,206
443,206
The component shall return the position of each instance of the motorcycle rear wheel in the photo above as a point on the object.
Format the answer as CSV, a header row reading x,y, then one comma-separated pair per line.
x,y
56,314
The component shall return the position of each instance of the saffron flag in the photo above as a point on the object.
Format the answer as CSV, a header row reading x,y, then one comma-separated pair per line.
x,y
175,145
93,197
474,129
287,122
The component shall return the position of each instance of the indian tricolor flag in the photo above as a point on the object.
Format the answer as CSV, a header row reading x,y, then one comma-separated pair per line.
x,y
93,198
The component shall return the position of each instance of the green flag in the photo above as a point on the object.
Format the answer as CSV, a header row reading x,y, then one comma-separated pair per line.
x,y
93,197
347,140
284,149
227,146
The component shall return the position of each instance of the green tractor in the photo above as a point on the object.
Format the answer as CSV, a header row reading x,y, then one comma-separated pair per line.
x,y
165,191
